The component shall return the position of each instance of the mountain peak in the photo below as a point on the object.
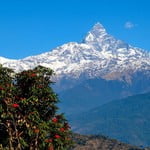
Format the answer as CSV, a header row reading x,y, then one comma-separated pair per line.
x,y
98,27
97,31
99,52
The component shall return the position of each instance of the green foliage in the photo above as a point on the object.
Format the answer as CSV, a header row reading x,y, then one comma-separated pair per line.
x,y
28,111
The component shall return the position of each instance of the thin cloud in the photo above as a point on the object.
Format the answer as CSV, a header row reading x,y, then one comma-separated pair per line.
x,y
129,25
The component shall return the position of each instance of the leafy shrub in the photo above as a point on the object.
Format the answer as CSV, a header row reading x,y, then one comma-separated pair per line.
x,y
28,112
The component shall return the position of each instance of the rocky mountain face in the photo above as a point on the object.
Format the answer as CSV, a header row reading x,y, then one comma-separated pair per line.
x,y
119,69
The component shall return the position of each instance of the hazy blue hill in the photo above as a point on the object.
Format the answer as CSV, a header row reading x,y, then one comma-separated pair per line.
x,y
90,93
127,120
95,92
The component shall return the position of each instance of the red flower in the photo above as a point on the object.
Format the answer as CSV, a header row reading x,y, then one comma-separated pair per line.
x,y
16,97
1,88
15,105
22,99
33,75
36,130
51,147
62,129
40,86
48,140
54,120
57,136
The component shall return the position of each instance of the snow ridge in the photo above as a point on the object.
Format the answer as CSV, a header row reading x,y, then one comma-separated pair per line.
x,y
99,55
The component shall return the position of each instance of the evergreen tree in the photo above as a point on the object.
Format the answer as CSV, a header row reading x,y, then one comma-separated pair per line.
x,y
30,116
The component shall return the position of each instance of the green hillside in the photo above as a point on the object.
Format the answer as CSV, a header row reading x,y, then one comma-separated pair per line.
x,y
127,120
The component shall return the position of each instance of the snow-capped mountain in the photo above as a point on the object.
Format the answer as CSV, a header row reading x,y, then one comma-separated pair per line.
x,y
100,68
99,55
94,72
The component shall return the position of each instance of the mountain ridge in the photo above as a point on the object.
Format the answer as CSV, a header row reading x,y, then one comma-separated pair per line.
x,y
124,119
100,56
99,52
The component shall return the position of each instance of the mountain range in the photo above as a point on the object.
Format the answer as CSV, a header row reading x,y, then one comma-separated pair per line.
x,y
92,73
99,55
98,58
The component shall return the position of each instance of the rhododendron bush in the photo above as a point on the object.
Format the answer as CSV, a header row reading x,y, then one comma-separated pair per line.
x,y
28,112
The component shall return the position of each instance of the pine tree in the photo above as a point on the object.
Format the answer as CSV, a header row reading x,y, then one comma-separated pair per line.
x,y
30,116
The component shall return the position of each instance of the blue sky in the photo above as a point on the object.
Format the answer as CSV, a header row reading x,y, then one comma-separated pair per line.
x,y
30,27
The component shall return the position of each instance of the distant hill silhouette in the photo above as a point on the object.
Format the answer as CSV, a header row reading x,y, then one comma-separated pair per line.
x,y
127,120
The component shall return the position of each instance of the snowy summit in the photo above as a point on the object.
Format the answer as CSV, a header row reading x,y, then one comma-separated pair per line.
x,y
99,55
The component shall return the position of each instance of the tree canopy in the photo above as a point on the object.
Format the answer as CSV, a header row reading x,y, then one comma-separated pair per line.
x,y
28,112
